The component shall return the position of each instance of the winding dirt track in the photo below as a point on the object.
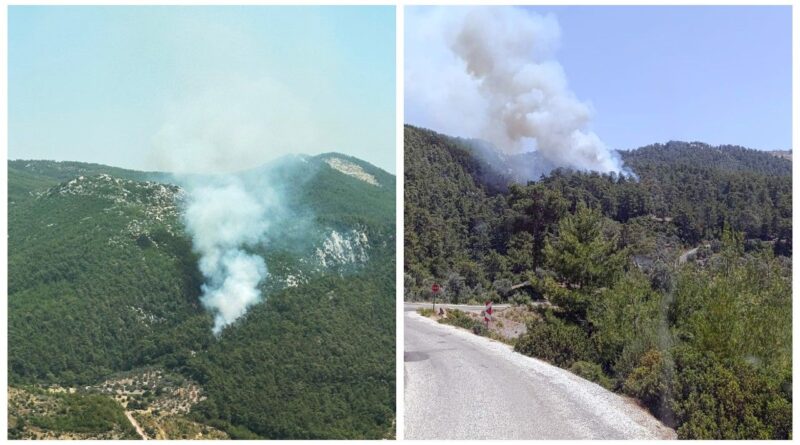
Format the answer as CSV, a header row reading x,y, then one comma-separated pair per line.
x,y
136,425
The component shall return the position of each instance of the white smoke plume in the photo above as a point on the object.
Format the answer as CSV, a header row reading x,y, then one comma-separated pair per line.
x,y
491,73
224,218
230,123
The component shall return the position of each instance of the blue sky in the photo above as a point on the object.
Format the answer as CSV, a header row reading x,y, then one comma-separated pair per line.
x,y
201,88
653,74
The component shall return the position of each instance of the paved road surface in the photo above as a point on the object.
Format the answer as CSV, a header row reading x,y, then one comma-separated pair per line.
x,y
463,307
461,386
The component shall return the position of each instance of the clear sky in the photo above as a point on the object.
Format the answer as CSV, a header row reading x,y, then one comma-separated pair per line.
x,y
653,74
201,88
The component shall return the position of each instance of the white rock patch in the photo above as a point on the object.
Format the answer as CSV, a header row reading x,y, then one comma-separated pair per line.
x,y
352,169
343,248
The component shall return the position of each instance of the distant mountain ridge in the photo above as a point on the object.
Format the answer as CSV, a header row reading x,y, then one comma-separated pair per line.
x,y
500,168
725,158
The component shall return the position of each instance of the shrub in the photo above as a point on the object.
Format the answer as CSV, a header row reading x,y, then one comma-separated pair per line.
x,y
735,400
520,299
555,341
592,372
461,319
425,311
84,413
479,329
648,381
502,286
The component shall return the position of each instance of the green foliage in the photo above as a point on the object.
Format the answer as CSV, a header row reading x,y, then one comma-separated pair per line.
x,y
54,172
456,289
704,187
520,299
461,319
627,320
23,184
648,381
555,341
345,391
729,399
520,252
339,199
581,254
592,372
714,358
83,294
425,311
449,216
85,413
739,307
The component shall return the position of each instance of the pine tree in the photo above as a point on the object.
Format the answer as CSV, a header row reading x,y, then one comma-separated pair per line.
x,y
582,255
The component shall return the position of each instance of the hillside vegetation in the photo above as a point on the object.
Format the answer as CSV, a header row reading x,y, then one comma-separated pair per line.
x,y
103,280
673,287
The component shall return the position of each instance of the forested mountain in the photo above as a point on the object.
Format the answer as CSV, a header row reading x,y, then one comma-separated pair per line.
x,y
104,285
722,159
673,284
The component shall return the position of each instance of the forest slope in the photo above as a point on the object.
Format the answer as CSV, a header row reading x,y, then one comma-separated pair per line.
x,y
103,280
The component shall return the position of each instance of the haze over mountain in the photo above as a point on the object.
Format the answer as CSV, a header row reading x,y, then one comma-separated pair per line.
x,y
212,89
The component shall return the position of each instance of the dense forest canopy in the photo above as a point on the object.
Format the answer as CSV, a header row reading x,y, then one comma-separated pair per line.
x,y
672,285
103,279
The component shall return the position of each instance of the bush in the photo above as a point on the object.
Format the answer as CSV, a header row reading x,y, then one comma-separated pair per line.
x,y
717,400
502,286
648,382
84,413
592,372
425,311
555,341
480,329
461,319
520,299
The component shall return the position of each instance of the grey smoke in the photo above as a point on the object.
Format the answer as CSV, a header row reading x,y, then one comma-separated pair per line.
x,y
225,218
491,73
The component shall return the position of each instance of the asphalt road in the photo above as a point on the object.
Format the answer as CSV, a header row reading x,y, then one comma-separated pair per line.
x,y
462,386
463,307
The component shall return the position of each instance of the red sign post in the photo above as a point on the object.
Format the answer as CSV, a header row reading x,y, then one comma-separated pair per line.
x,y
487,313
435,289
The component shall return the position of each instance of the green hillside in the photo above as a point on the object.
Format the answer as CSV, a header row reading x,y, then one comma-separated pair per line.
x,y
673,287
103,280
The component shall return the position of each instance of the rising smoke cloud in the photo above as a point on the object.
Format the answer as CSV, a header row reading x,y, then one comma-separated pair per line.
x,y
207,137
491,73
229,123
224,218
236,102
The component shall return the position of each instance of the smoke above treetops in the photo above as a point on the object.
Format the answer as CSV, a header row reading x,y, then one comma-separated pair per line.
x,y
491,73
